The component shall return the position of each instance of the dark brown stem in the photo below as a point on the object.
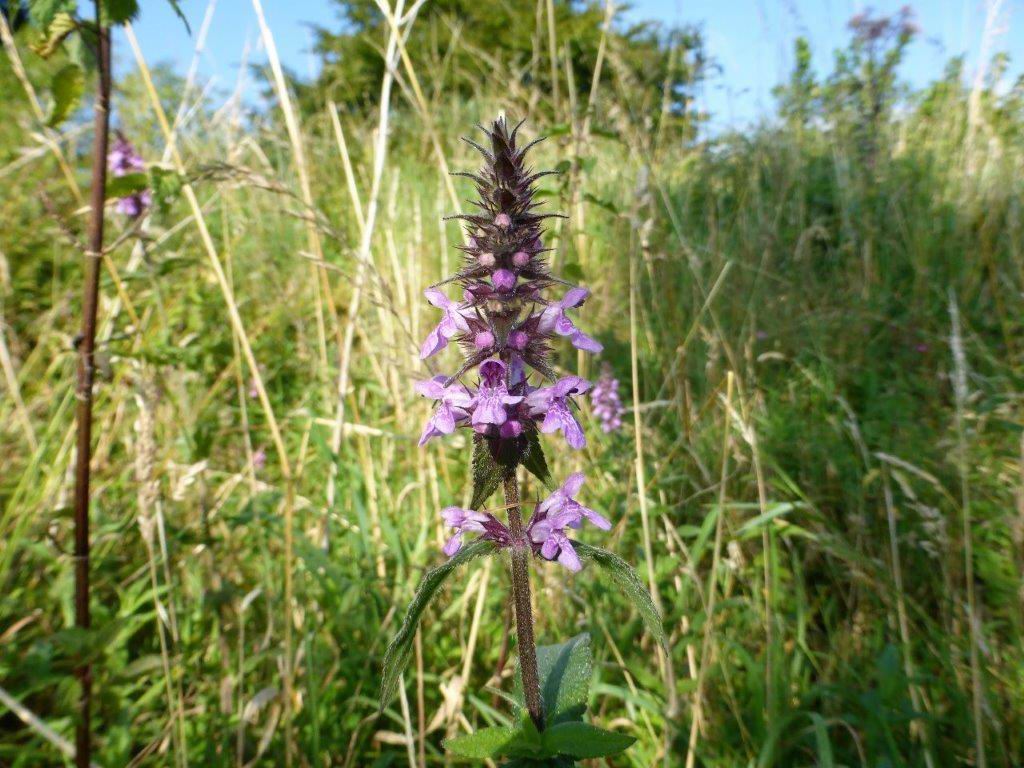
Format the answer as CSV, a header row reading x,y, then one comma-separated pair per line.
x,y
521,597
86,370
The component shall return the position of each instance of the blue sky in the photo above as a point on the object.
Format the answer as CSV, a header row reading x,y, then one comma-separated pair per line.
x,y
751,40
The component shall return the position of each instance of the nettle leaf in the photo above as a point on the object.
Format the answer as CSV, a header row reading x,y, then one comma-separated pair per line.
x,y
484,743
62,25
582,740
565,670
626,579
397,656
67,87
129,184
487,473
176,7
119,11
534,461
166,185
43,12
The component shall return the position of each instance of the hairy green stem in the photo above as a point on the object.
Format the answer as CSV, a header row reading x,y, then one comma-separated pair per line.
x,y
521,597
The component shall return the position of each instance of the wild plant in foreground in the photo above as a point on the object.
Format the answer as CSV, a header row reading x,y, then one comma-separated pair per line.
x,y
507,392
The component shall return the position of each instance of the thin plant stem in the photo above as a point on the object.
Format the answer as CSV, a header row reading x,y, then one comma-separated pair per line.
x,y
86,374
973,619
524,611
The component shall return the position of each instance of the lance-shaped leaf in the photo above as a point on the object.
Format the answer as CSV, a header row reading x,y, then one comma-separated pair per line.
x,y
626,579
565,670
582,740
534,461
129,184
397,656
487,472
522,741
67,87
482,743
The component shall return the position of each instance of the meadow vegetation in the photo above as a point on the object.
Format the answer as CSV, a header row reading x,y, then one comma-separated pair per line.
x,y
816,322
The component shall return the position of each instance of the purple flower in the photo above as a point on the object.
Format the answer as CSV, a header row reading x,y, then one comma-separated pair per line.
x,y
492,396
134,205
259,459
123,160
465,521
553,403
605,401
452,322
557,512
553,318
452,408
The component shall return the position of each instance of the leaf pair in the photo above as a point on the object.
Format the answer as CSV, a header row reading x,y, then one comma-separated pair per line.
x,y
565,671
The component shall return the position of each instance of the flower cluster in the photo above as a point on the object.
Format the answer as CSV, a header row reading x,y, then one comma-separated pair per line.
x,y
545,532
124,160
605,401
504,324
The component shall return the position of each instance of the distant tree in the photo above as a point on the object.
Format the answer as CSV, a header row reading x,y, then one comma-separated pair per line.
x,y
458,46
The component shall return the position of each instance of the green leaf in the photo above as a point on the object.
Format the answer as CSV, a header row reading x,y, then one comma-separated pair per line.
x,y
565,670
129,184
57,30
176,7
166,185
580,740
626,579
572,272
119,11
397,656
67,87
534,461
43,12
487,472
484,743
608,205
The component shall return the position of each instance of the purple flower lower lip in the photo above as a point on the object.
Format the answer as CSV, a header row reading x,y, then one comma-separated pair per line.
x,y
552,403
452,322
553,318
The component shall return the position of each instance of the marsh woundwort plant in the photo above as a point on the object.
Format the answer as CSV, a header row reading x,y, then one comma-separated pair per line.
x,y
506,392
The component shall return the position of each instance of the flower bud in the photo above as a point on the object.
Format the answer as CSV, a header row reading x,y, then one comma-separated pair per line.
x,y
503,220
484,340
520,259
504,280
485,259
518,340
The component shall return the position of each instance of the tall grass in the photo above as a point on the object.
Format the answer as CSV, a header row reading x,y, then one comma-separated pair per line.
x,y
801,528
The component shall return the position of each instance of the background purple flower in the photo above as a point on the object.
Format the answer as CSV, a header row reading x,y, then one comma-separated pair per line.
x,y
605,401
